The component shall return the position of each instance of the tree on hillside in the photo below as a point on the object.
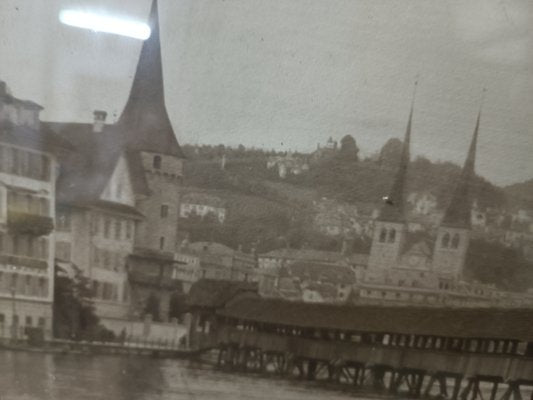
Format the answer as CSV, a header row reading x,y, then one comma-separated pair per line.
x,y
349,149
390,154
493,263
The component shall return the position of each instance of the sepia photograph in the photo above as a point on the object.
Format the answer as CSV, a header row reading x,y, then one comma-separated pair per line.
x,y
266,199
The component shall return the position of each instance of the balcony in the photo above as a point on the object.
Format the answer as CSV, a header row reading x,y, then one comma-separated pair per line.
x,y
21,223
19,261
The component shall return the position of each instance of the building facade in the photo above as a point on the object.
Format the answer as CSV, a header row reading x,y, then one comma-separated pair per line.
x,y
118,195
28,166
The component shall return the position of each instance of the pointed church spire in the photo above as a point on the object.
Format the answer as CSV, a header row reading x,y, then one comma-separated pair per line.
x,y
144,120
393,209
458,211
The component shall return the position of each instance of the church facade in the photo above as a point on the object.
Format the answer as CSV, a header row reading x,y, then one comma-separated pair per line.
x,y
405,268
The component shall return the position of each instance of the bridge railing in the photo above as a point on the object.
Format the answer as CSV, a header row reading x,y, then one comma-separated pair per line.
x,y
507,366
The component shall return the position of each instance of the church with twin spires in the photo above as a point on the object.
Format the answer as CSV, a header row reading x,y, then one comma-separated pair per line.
x,y
403,269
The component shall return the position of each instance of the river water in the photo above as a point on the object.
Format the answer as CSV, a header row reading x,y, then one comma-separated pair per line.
x,y
31,376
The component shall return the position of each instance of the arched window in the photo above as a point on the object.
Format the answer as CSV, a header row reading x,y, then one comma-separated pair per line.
x,y
392,235
445,240
455,241
157,162
383,235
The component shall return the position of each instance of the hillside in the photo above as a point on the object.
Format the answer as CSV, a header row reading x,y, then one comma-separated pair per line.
x,y
520,195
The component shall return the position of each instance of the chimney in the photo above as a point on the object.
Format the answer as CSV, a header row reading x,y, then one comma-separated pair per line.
x,y
3,89
99,120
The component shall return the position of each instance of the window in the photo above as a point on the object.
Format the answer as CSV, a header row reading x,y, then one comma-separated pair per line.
x,y
161,242
107,227
383,235
41,322
392,235
29,320
455,241
129,226
164,211
445,241
2,318
118,229
157,162
107,259
42,286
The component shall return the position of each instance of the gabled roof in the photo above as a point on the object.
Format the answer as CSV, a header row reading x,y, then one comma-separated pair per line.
x,y
86,170
210,247
315,272
304,254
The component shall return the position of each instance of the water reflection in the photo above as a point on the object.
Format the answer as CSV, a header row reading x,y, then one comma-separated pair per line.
x,y
31,376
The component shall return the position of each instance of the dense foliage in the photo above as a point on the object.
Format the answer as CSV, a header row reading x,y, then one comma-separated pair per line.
x,y
74,316
496,264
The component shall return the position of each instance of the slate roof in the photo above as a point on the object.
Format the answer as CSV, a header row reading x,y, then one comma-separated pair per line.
x,y
144,122
315,272
41,139
86,170
209,293
513,324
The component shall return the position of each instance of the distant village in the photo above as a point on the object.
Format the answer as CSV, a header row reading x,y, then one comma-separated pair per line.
x,y
106,201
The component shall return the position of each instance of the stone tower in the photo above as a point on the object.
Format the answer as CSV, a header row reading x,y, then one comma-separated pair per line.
x,y
390,228
149,137
453,235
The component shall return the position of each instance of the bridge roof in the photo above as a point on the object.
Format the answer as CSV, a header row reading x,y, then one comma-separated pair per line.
x,y
512,324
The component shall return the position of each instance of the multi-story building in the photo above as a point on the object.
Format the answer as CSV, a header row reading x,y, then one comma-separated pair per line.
x,y
28,169
118,195
220,262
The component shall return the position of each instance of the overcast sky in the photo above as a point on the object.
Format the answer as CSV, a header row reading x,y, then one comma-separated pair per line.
x,y
287,74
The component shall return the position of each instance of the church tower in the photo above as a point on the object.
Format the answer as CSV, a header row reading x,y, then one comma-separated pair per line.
x,y
390,228
453,235
152,147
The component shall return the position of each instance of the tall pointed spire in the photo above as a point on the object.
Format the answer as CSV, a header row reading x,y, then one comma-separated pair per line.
x,y
144,120
393,209
458,211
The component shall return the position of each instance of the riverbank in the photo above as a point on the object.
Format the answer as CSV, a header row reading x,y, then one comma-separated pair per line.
x,y
60,346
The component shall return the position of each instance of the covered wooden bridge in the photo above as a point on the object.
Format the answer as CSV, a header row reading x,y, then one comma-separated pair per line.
x,y
418,351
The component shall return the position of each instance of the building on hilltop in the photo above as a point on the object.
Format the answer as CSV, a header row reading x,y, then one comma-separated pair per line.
x,y
288,164
118,193
202,205
28,167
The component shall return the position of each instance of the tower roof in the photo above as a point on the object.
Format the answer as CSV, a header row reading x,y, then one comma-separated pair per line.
x,y
458,212
393,209
144,122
